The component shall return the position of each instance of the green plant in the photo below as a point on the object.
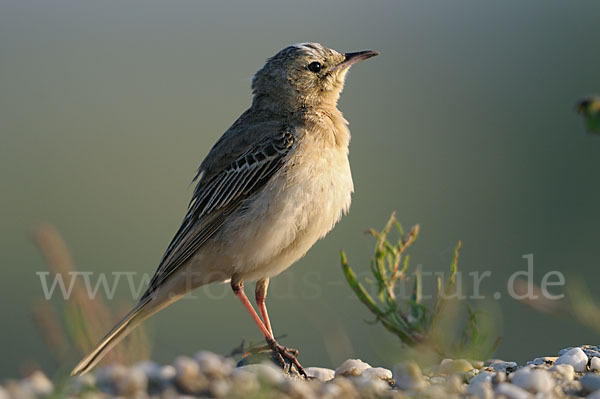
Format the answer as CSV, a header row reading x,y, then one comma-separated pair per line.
x,y
415,321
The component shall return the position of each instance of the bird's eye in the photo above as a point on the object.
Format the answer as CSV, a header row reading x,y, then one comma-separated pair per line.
x,y
315,67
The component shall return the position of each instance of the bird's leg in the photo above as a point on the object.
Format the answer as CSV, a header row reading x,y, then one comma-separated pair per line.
x,y
261,295
281,352
238,290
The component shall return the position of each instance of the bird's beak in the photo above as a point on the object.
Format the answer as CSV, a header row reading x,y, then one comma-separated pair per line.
x,y
352,58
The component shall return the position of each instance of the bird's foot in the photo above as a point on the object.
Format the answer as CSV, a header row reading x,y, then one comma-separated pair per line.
x,y
286,357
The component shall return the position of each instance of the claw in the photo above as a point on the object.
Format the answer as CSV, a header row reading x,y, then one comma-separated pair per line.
x,y
286,357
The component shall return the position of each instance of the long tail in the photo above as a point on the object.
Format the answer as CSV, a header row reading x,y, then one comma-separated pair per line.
x,y
139,313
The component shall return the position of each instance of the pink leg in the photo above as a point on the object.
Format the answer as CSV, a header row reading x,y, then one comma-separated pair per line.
x,y
283,354
261,296
238,290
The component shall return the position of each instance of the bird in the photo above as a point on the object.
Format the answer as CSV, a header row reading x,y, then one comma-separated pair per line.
x,y
589,107
276,182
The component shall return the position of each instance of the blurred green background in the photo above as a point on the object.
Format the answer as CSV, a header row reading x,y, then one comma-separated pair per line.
x,y
464,124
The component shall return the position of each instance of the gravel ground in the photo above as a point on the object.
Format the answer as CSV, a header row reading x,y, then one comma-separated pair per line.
x,y
573,373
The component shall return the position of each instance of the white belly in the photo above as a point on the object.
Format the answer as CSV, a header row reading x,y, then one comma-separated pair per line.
x,y
301,204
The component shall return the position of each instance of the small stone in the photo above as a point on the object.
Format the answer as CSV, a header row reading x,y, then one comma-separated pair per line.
x,y
133,384
575,357
82,382
571,388
477,364
437,380
408,376
214,365
499,376
345,387
454,384
589,350
595,364
566,371
244,382
220,388
38,384
296,388
16,390
188,376
378,373
458,366
511,391
590,382
369,387
108,376
155,375
266,372
483,376
434,391
330,391
501,365
469,375
352,367
320,373
536,380
481,390
539,361
4,393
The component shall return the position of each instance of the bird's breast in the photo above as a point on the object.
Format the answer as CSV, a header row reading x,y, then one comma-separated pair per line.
x,y
299,205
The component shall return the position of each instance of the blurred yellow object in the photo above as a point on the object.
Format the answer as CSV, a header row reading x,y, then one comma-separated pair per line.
x,y
589,107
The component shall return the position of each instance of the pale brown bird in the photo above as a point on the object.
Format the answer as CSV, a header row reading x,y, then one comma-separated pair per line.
x,y
276,182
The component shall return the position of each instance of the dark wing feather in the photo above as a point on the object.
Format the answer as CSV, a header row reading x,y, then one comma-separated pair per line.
x,y
213,201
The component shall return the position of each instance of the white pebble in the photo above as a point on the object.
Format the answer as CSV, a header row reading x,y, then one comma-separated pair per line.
x,y
595,364
451,366
590,382
368,386
484,376
565,370
266,372
533,380
220,388
213,364
408,376
352,367
538,361
575,357
482,390
132,384
299,389
244,381
188,375
38,384
186,367
320,373
500,365
330,390
378,373
511,391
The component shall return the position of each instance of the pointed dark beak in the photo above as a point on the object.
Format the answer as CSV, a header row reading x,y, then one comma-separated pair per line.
x,y
352,58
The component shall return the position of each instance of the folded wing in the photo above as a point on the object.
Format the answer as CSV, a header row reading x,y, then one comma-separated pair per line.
x,y
214,200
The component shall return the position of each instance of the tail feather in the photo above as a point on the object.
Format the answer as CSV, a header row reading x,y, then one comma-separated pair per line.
x,y
138,314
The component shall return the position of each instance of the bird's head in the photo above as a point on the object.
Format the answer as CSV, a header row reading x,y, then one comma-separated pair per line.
x,y
305,75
